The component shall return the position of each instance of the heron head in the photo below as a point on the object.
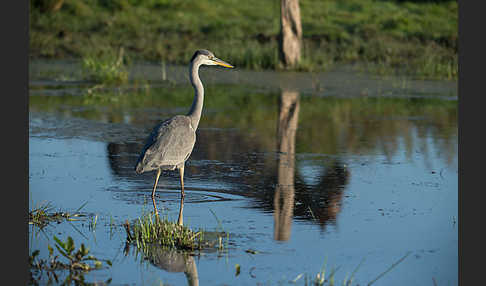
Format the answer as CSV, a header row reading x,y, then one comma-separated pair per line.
x,y
205,57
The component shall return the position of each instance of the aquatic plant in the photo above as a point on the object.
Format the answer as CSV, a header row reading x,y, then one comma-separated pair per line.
x,y
41,216
151,229
320,279
78,261
155,230
93,222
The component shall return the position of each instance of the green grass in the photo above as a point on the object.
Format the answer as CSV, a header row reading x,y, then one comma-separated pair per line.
x,y
109,69
76,262
153,230
42,215
326,276
420,39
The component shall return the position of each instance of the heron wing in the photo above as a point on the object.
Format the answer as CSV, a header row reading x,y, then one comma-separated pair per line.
x,y
169,144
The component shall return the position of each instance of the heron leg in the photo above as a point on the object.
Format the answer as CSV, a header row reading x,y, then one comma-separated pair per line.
x,y
181,174
153,191
156,181
155,207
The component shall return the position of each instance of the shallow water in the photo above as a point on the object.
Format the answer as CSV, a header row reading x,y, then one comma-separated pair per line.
x,y
306,176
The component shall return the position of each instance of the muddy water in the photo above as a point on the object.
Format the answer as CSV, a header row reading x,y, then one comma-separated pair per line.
x,y
303,170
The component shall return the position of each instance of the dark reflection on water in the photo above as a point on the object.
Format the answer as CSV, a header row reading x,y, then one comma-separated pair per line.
x,y
122,158
323,200
320,202
276,191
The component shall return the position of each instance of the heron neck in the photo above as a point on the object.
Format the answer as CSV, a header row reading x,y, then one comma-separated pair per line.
x,y
197,104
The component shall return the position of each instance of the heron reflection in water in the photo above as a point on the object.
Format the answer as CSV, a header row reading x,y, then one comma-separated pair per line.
x,y
170,260
171,142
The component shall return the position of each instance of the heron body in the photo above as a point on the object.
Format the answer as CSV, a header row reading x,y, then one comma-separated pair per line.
x,y
171,142
168,146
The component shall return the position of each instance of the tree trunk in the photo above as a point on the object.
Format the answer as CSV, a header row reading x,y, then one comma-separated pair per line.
x,y
290,33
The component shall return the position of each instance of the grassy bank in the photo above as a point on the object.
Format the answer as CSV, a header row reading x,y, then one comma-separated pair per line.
x,y
415,38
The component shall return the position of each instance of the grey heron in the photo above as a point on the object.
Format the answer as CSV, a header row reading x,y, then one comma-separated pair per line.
x,y
171,142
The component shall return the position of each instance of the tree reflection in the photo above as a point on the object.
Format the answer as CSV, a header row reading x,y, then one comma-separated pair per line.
x,y
321,202
284,191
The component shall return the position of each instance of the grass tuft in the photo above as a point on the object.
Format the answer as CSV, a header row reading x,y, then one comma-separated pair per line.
x,y
151,229
42,215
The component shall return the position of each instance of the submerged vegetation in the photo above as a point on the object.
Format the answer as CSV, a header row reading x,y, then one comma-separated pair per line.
x,y
417,38
42,215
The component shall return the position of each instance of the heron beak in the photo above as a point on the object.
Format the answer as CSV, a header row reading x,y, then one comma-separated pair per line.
x,y
222,63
